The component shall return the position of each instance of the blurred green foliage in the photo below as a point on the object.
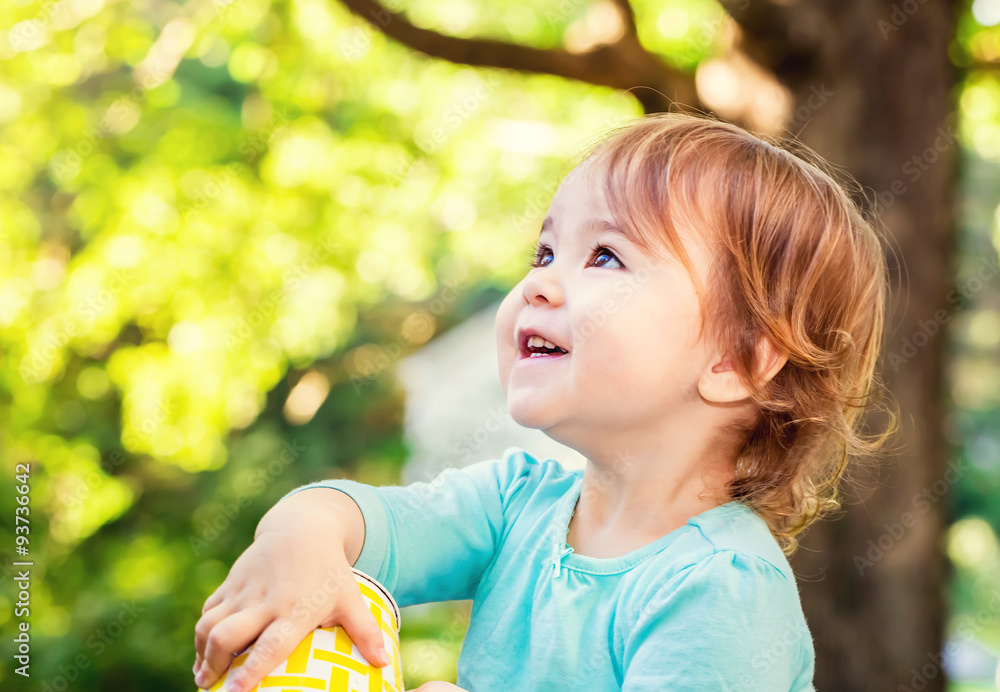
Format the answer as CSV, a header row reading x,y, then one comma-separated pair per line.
x,y
215,216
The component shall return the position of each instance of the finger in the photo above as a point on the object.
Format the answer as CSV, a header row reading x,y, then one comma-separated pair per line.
x,y
231,636
275,644
355,616
213,600
206,622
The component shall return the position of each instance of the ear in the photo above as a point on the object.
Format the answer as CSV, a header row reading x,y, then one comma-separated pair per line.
x,y
721,384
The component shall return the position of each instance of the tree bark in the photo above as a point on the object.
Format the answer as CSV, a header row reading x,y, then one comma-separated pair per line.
x,y
872,582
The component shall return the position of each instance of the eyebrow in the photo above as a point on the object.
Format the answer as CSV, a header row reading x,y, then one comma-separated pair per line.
x,y
592,225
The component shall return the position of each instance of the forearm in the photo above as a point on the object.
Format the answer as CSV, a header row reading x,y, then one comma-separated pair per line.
x,y
326,511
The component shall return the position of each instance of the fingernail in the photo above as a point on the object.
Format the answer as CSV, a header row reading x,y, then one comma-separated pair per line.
x,y
199,680
383,656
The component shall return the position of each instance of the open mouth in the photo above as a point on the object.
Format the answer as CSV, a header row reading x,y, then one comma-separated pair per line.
x,y
536,347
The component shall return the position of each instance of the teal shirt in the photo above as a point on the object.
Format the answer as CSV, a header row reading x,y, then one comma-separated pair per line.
x,y
712,605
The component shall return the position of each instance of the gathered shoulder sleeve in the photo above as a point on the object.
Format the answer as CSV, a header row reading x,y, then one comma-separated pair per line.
x,y
731,621
432,540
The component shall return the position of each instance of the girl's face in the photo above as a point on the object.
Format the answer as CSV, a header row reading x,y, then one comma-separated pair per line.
x,y
627,321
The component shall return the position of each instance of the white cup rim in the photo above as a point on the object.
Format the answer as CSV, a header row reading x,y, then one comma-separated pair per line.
x,y
388,596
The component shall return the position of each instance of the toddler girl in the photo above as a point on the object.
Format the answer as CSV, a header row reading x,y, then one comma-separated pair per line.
x,y
701,321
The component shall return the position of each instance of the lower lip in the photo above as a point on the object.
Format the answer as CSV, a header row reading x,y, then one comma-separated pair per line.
x,y
524,360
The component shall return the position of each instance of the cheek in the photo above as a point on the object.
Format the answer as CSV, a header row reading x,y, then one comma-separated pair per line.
x,y
505,321
641,347
507,310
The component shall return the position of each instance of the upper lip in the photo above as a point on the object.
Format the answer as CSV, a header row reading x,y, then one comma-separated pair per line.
x,y
524,333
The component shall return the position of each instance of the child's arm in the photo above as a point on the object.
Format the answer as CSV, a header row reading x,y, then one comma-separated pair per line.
x,y
432,540
732,621
294,577
427,541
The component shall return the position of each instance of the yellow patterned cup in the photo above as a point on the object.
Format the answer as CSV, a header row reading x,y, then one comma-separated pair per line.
x,y
327,659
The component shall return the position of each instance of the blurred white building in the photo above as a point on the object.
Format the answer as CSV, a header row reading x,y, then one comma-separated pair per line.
x,y
972,663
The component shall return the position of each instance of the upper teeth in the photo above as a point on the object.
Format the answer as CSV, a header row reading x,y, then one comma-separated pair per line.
x,y
537,341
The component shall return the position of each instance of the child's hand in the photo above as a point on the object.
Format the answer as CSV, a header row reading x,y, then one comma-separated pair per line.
x,y
438,686
281,588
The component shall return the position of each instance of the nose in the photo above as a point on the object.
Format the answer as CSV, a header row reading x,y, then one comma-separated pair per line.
x,y
542,286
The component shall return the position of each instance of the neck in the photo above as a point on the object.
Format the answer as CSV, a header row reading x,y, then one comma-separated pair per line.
x,y
650,487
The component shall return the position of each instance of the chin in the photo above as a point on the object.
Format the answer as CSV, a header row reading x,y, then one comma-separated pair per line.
x,y
530,414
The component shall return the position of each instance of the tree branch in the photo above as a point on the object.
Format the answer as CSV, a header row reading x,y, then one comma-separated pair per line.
x,y
982,65
781,38
628,17
622,65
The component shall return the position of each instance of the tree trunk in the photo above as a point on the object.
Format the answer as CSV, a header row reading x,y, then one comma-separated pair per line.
x,y
872,581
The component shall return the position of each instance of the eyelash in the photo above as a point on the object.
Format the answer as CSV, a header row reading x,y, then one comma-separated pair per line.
x,y
535,257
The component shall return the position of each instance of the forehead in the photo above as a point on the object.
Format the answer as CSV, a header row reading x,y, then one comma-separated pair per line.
x,y
582,188
580,203
594,224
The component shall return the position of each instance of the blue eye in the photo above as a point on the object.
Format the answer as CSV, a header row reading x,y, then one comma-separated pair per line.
x,y
535,259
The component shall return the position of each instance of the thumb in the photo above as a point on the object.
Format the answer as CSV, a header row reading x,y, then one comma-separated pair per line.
x,y
361,626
